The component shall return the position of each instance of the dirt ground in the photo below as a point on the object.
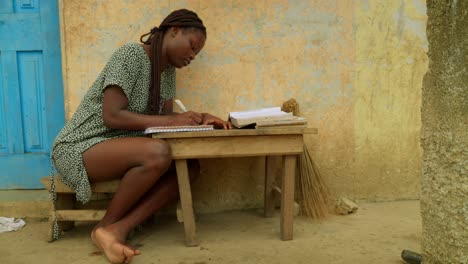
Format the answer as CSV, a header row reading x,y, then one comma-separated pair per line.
x,y
376,233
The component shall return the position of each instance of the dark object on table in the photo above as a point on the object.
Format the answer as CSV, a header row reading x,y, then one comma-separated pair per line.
x,y
411,257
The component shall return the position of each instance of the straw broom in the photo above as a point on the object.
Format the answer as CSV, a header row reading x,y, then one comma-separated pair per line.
x,y
312,193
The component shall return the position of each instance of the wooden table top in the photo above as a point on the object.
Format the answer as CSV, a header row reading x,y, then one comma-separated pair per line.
x,y
237,132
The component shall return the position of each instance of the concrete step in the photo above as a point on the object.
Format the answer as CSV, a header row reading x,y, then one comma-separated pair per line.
x,y
24,203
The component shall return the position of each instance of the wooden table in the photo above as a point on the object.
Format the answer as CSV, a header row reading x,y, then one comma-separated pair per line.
x,y
272,143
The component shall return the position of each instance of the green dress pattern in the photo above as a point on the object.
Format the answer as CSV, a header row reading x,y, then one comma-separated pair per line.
x,y
128,68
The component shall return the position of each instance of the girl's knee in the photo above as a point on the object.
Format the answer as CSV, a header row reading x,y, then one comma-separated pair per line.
x,y
158,155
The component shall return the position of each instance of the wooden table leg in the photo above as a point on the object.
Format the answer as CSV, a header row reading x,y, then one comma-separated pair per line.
x,y
272,164
186,202
287,197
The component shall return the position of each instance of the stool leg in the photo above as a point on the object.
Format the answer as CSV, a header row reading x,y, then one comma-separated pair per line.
x,y
50,233
287,197
65,201
186,202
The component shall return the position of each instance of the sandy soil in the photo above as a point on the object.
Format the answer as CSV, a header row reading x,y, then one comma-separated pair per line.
x,y
375,234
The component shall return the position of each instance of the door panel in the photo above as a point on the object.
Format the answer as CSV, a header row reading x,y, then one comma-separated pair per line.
x,y
32,95
3,127
32,101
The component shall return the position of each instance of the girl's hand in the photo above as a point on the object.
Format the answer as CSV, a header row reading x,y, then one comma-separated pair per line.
x,y
215,121
189,118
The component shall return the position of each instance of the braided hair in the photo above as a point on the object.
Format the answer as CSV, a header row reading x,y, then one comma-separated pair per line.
x,y
183,18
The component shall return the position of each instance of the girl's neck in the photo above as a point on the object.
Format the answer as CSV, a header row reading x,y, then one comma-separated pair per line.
x,y
147,49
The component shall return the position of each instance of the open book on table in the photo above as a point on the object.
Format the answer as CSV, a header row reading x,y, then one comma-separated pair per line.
x,y
166,129
265,117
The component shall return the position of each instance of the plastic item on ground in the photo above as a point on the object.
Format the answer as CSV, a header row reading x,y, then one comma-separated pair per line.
x,y
8,224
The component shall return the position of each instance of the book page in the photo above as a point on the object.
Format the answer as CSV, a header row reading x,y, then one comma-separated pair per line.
x,y
257,112
244,118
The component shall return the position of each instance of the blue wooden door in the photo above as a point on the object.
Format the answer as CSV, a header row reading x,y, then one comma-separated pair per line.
x,y
31,93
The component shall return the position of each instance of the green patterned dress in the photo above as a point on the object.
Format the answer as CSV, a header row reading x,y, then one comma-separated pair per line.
x,y
128,68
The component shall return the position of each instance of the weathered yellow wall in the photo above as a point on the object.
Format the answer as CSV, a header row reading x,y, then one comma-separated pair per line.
x,y
391,60
355,67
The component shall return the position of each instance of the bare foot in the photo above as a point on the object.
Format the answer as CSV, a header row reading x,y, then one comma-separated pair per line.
x,y
93,238
93,235
135,250
110,242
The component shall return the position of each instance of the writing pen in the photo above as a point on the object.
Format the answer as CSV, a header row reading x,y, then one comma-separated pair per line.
x,y
181,105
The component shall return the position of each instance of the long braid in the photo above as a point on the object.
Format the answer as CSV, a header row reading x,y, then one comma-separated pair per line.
x,y
180,18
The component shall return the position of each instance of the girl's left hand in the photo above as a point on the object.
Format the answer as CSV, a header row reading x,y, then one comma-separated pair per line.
x,y
208,119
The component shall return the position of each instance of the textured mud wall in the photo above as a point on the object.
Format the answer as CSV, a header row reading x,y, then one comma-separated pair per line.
x,y
355,67
444,196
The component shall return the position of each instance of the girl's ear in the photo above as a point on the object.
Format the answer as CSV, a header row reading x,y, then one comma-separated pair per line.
x,y
174,31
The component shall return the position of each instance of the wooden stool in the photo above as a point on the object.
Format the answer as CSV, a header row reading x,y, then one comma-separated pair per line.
x,y
67,209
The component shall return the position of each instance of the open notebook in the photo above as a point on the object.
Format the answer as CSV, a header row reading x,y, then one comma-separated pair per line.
x,y
163,129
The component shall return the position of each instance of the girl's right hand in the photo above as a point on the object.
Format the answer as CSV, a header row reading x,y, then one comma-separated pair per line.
x,y
188,118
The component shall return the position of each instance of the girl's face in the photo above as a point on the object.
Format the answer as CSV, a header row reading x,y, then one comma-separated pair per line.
x,y
182,47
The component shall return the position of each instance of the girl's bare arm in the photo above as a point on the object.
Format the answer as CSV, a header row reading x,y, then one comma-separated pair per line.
x,y
116,115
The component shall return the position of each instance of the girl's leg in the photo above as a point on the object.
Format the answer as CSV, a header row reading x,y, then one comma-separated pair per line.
x,y
139,163
164,192
161,194
137,159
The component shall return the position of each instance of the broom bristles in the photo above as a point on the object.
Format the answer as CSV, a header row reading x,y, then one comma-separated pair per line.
x,y
312,193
